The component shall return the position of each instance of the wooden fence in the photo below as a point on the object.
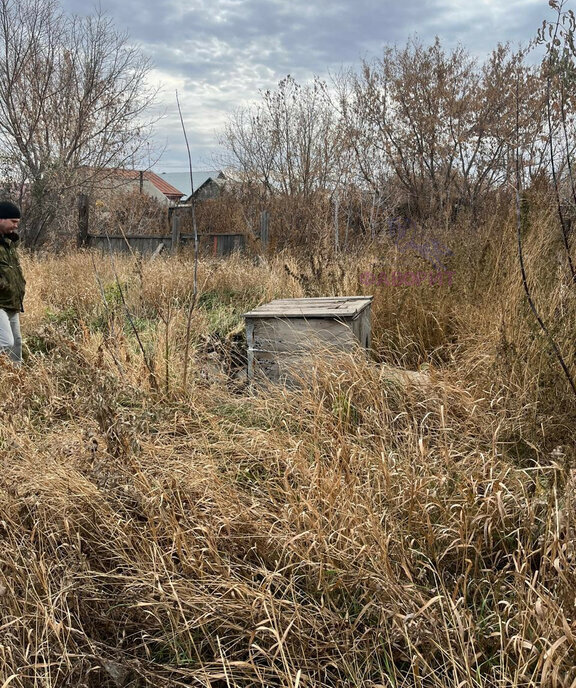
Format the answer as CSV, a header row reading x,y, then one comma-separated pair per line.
x,y
216,245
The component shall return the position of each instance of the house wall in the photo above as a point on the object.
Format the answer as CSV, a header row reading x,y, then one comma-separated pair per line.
x,y
149,189
208,191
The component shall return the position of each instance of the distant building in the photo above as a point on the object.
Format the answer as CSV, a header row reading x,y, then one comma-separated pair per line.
x,y
181,180
121,180
149,183
209,189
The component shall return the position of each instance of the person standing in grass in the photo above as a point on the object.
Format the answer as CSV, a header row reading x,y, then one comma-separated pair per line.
x,y
12,283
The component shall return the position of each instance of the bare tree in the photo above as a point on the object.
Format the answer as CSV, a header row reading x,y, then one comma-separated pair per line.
x,y
291,141
73,95
436,121
291,145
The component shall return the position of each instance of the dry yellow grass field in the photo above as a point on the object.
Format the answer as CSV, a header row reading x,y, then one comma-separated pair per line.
x,y
357,531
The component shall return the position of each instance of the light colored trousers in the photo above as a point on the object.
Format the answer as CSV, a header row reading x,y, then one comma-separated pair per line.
x,y
10,337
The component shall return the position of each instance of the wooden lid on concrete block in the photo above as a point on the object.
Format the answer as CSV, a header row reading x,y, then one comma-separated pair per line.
x,y
322,307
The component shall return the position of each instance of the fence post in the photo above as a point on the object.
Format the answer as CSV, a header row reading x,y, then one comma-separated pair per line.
x,y
83,220
175,232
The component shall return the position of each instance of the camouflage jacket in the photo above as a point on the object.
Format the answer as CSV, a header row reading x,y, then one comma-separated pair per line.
x,y
12,282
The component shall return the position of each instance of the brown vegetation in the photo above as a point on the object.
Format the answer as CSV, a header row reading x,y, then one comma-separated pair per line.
x,y
357,532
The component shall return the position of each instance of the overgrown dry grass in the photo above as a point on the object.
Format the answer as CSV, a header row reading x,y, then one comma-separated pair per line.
x,y
353,532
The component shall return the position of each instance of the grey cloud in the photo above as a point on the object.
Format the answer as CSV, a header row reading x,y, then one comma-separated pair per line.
x,y
221,52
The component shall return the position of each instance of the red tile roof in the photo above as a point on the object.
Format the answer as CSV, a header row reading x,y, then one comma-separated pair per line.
x,y
167,189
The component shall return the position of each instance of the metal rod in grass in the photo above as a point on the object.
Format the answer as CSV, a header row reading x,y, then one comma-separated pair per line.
x,y
525,284
193,213
151,373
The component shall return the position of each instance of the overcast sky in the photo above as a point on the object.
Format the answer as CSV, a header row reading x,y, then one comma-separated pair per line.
x,y
218,54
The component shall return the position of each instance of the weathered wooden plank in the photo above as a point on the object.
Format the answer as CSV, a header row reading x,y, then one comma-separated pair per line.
x,y
320,307
296,335
285,368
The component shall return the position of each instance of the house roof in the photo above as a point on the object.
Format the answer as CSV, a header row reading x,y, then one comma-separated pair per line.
x,y
161,184
181,180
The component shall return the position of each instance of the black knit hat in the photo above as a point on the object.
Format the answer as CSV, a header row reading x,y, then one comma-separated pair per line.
x,y
9,211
